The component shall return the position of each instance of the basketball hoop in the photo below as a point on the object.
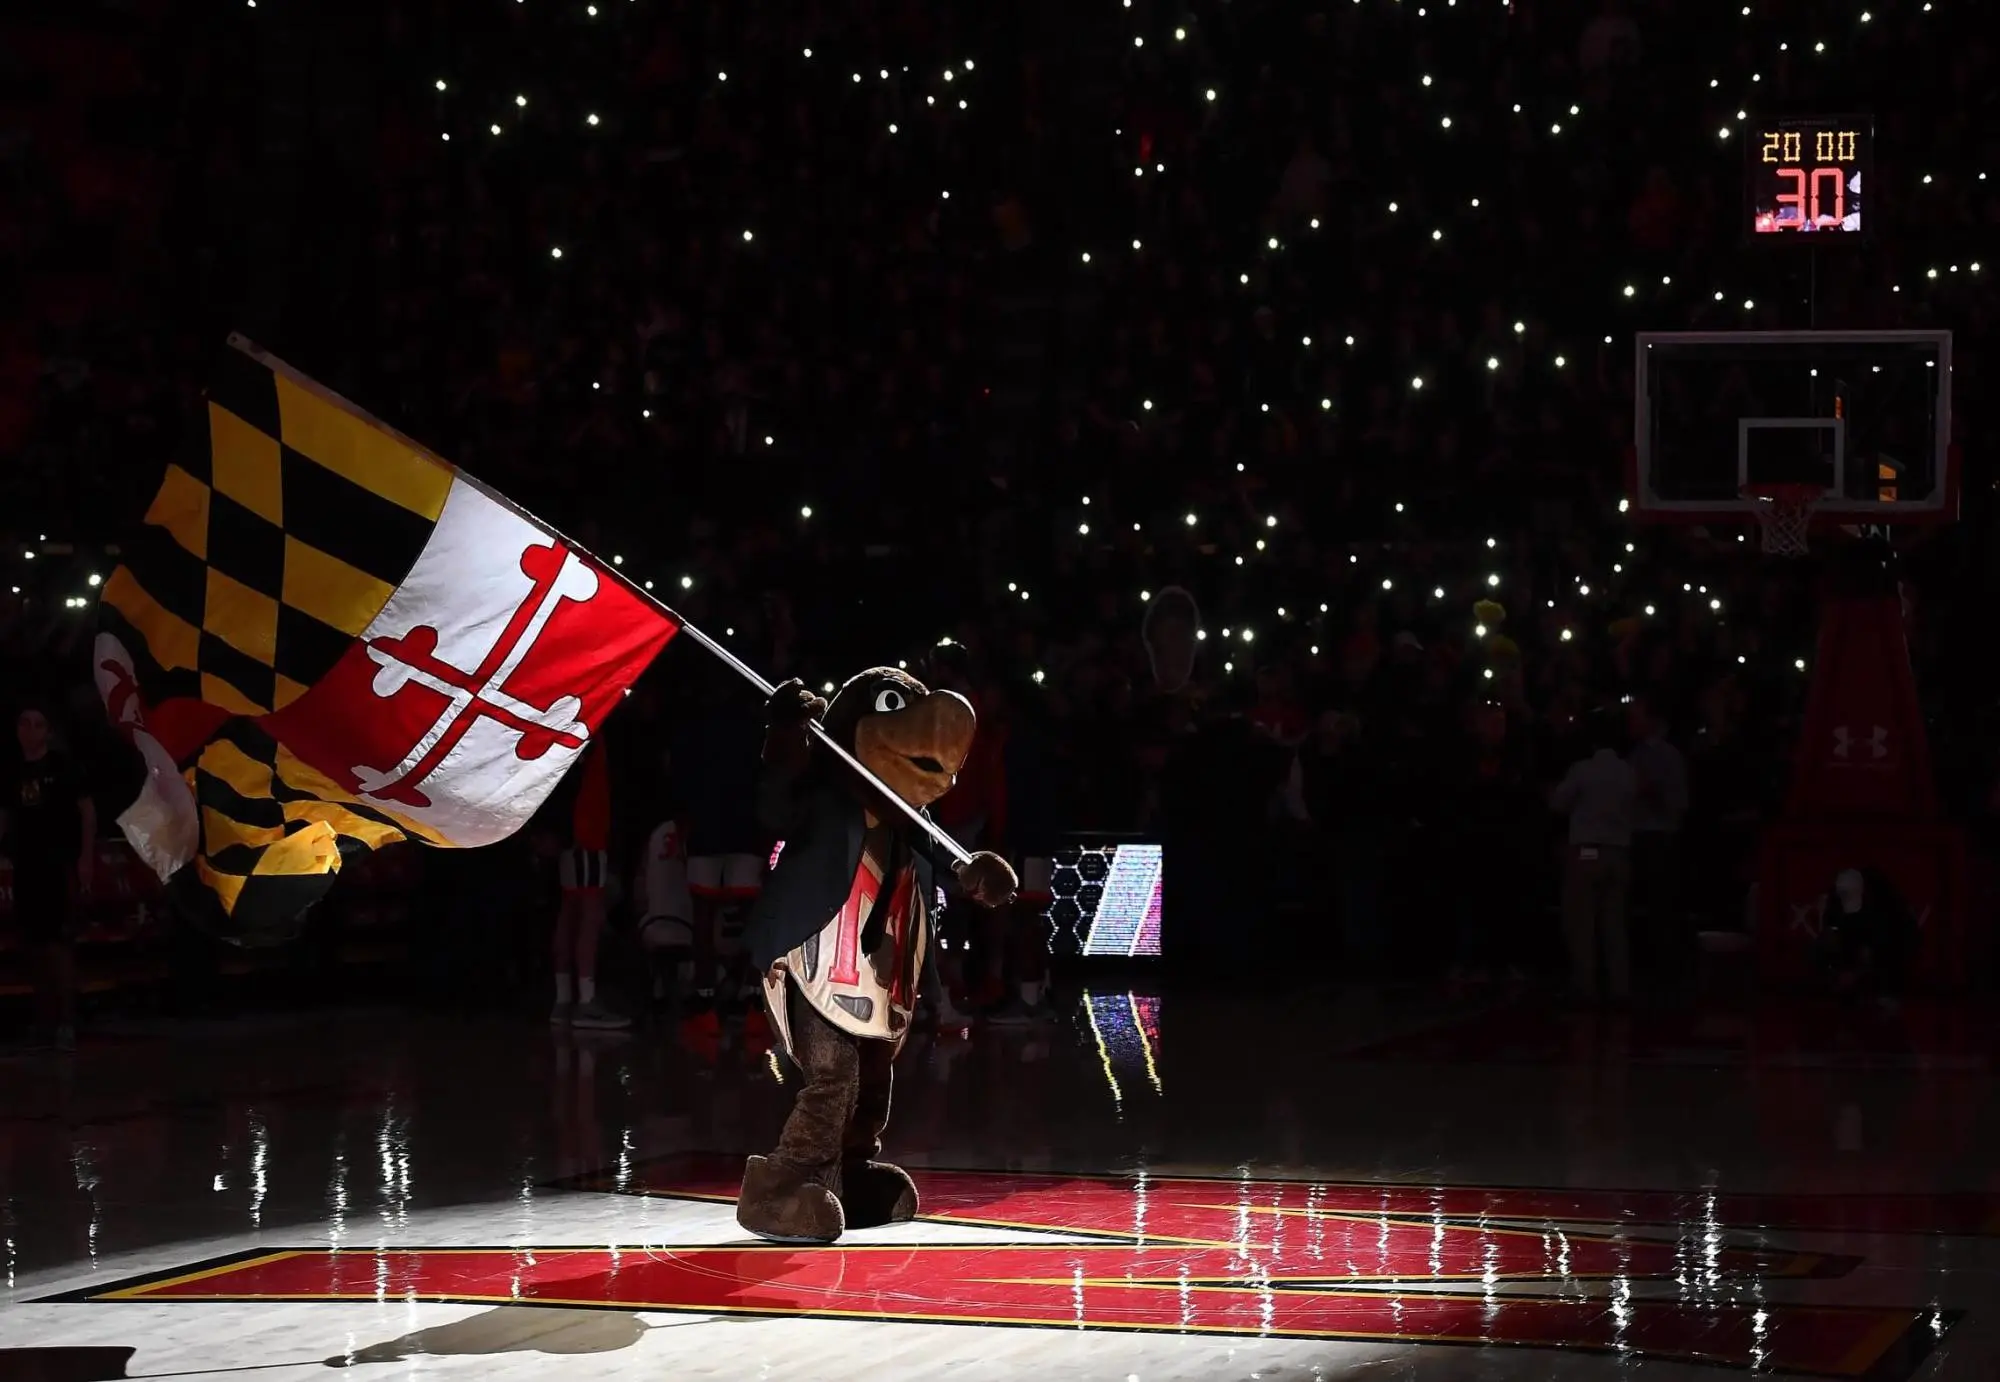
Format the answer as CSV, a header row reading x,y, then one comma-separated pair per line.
x,y
1785,513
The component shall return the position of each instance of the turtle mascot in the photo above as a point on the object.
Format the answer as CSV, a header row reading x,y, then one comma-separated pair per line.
x,y
839,934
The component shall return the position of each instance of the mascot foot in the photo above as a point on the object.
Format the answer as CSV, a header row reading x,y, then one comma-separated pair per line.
x,y
780,1204
873,1193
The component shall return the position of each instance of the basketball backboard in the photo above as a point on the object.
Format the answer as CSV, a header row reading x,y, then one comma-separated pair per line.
x,y
1866,414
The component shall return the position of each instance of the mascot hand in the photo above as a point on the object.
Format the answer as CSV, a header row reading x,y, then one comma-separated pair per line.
x,y
988,880
791,705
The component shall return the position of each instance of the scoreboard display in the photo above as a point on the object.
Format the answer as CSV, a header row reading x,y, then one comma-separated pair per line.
x,y
1809,175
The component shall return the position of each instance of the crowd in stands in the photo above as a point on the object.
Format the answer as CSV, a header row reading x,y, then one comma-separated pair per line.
x,y
859,332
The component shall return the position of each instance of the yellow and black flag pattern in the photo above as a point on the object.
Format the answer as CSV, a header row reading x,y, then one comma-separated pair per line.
x,y
274,832
264,556
262,559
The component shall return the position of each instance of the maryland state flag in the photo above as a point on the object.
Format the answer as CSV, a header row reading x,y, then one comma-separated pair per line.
x,y
327,639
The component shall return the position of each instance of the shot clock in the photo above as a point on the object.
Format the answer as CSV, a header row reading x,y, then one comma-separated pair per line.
x,y
1809,174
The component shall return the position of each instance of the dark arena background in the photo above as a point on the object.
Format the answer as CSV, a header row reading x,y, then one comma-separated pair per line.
x,y
1468,528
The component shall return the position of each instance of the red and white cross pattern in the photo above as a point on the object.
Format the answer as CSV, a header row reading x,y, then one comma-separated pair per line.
x,y
481,680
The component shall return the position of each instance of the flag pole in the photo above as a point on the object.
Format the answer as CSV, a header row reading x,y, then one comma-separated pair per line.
x,y
826,741
915,817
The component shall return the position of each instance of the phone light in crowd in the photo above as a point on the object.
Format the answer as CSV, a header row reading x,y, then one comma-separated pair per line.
x,y
1649,611
1190,520
1479,631
96,580
1624,505
687,583
1567,635
1040,676
805,511
1417,382
649,585
1201,635
1083,530
1583,590
1437,593
555,251
1520,327
1493,362
1715,604
1146,596
521,101
1493,578
590,120
1800,664
1492,542
617,560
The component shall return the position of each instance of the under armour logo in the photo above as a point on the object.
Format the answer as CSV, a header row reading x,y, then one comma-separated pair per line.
x,y
558,574
1876,741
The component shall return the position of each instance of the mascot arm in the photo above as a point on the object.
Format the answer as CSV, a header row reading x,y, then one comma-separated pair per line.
x,y
780,806
987,879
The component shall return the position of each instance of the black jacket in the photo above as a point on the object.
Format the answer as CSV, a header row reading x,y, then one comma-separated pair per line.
x,y
821,820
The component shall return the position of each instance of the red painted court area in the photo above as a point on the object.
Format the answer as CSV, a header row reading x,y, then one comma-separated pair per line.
x,y
1128,1206
1231,1257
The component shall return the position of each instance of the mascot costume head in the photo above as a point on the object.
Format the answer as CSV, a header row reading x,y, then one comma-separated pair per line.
x,y
840,932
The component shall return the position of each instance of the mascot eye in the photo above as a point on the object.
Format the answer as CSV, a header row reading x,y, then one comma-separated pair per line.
x,y
888,700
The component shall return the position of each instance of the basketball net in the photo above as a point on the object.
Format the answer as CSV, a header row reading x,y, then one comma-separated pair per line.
x,y
1784,514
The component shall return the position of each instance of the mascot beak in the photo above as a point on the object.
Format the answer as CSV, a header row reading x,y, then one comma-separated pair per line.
x,y
919,749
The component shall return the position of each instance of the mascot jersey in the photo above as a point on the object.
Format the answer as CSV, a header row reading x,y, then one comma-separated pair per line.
x,y
859,971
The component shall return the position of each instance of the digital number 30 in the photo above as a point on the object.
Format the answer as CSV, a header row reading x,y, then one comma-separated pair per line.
x,y
1805,194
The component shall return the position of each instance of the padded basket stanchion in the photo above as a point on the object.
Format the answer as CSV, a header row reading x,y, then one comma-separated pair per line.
x,y
1784,513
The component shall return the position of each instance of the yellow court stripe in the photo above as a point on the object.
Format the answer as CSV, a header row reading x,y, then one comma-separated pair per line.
x,y
351,445
207,1274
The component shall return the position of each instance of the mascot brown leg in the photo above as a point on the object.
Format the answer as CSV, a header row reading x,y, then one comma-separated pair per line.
x,y
873,1192
793,1195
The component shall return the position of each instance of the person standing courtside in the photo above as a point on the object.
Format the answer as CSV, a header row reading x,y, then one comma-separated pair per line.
x,y
1599,795
1666,948
49,826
